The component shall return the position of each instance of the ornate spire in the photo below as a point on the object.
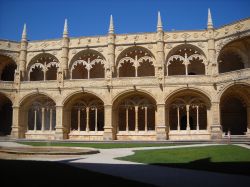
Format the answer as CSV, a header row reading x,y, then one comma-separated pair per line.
x,y
159,22
111,25
209,20
24,34
65,29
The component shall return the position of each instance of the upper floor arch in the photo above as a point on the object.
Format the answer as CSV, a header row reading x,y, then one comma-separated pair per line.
x,y
234,55
135,61
186,59
43,67
87,64
7,68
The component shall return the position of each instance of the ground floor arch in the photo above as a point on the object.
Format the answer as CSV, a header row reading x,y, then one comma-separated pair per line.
x,y
187,115
5,115
235,110
134,116
37,115
83,115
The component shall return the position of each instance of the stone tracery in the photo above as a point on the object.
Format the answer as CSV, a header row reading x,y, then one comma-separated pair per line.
x,y
43,67
135,62
88,64
186,60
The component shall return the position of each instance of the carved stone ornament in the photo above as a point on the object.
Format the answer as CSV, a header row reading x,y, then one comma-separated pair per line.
x,y
239,26
196,35
185,35
226,30
166,36
150,46
74,51
204,34
175,36
100,49
120,48
200,44
169,46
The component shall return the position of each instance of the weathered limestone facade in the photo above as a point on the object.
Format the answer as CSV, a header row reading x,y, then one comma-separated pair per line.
x,y
178,85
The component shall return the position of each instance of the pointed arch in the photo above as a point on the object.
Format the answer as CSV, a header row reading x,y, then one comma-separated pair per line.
x,y
135,61
43,67
7,68
186,59
87,64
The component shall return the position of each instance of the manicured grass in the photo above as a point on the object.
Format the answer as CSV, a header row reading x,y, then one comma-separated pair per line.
x,y
97,145
43,173
223,158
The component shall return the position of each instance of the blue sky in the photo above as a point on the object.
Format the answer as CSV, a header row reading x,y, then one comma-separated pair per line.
x,y
45,18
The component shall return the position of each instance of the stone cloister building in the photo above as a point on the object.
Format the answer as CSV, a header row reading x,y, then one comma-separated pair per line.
x,y
176,85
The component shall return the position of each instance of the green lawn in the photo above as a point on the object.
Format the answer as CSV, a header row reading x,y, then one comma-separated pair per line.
x,y
223,158
98,145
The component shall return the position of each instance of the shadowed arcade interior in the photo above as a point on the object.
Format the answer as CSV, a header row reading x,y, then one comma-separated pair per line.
x,y
5,115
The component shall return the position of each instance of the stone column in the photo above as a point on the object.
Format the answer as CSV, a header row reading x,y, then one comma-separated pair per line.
x,y
127,128
78,119
50,118
248,121
146,119
35,125
136,118
87,119
188,123
108,127
161,133
215,128
59,133
43,118
197,118
178,118
96,118
16,129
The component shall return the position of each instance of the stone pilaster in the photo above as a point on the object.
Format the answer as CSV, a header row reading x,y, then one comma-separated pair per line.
x,y
110,68
215,127
65,51
108,127
159,67
161,130
60,133
23,54
15,132
211,47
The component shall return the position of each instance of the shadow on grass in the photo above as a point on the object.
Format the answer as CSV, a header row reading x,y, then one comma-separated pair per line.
x,y
240,168
44,173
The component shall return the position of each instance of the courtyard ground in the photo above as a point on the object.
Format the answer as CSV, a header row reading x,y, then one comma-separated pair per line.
x,y
105,163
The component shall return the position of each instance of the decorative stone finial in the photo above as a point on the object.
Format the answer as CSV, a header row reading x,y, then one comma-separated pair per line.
x,y
159,22
111,25
65,29
24,34
209,20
